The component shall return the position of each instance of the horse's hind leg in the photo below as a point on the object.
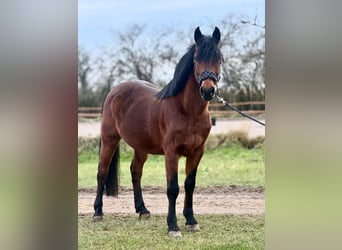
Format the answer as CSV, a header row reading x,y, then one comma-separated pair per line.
x,y
136,172
108,147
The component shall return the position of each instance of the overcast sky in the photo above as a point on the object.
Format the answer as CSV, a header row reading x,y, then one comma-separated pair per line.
x,y
98,20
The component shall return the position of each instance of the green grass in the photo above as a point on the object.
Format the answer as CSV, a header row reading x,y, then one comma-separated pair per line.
x,y
226,165
127,232
228,160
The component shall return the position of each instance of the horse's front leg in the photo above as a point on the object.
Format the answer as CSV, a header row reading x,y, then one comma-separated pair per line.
x,y
171,162
192,162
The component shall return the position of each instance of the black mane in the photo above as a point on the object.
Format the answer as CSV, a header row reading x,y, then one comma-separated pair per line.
x,y
183,69
207,51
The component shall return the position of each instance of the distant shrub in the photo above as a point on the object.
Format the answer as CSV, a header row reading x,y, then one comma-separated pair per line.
x,y
231,139
234,138
91,145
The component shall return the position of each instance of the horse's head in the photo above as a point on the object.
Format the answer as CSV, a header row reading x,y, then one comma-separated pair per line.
x,y
207,62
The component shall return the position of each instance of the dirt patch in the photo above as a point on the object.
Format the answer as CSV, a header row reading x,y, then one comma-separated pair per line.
x,y
208,200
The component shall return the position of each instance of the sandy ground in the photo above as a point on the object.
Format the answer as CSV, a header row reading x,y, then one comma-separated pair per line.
x,y
209,200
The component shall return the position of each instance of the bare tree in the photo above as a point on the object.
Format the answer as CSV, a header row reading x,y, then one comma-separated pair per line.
x,y
106,68
136,56
244,56
140,56
83,69
254,61
86,96
152,55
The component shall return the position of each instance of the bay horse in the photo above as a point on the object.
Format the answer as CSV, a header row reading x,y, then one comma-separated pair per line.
x,y
174,122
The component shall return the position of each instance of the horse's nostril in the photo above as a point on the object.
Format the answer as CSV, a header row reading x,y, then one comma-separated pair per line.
x,y
212,91
207,94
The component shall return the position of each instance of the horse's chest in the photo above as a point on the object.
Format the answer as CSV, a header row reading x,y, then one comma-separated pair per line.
x,y
189,140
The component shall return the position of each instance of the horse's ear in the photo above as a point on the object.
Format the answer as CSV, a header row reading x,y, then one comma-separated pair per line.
x,y
198,34
216,35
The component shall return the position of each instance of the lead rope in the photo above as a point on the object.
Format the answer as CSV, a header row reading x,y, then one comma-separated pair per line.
x,y
235,109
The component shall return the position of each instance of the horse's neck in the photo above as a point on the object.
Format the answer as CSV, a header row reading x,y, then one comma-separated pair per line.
x,y
191,101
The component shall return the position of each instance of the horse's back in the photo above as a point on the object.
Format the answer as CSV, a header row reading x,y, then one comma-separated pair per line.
x,y
130,89
128,93
131,111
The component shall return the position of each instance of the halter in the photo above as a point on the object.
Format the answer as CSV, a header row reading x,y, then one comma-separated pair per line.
x,y
207,74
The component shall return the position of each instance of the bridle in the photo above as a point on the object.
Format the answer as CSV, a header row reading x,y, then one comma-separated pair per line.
x,y
207,75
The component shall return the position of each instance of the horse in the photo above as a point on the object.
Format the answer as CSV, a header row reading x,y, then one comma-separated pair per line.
x,y
173,122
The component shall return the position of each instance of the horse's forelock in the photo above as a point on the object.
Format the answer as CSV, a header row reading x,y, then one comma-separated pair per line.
x,y
207,50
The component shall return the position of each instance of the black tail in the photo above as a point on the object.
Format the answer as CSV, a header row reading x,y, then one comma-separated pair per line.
x,y
112,183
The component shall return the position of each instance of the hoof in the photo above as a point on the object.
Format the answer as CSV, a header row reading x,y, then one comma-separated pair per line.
x,y
97,218
192,228
145,216
175,234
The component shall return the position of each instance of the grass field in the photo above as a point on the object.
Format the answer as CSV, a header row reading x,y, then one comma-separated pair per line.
x,y
225,162
231,164
217,232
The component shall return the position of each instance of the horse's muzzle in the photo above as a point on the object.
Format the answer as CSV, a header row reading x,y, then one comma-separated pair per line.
x,y
207,93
